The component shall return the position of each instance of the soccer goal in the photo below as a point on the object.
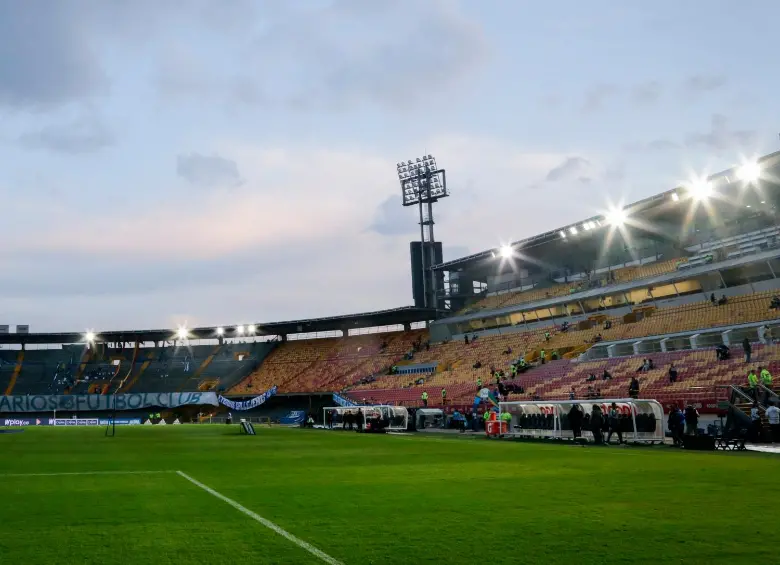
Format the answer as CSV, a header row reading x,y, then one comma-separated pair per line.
x,y
641,420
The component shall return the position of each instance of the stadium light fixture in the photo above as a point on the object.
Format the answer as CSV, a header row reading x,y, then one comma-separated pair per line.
x,y
616,217
675,196
220,331
421,180
251,329
240,330
749,172
506,251
562,234
89,336
182,332
573,230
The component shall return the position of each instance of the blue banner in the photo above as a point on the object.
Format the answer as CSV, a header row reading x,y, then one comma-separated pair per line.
x,y
94,402
342,401
293,417
248,404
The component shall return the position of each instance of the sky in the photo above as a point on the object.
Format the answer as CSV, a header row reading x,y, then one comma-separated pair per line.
x,y
205,162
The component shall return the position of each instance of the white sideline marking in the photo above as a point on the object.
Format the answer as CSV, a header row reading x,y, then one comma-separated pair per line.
x,y
83,473
267,523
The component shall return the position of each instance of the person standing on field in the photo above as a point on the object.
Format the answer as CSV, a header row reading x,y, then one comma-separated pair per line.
x,y
773,415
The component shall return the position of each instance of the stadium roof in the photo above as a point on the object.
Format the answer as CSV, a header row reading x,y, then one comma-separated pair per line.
x,y
647,219
396,316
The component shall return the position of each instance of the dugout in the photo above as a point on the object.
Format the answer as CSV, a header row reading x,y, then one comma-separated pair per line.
x,y
429,418
393,418
641,421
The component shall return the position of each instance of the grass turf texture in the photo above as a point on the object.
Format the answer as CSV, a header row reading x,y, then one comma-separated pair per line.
x,y
375,499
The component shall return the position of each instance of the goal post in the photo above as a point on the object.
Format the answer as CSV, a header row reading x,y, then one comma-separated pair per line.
x,y
641,420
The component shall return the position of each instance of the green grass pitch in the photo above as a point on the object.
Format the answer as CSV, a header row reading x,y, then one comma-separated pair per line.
x,y
363,499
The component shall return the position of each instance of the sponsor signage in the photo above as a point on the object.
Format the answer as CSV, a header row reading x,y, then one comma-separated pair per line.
x,y
96,402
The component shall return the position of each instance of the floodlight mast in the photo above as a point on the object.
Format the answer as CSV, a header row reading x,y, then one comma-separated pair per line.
x,y
423,183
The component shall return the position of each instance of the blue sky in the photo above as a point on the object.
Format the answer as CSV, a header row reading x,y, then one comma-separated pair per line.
x,y
217,162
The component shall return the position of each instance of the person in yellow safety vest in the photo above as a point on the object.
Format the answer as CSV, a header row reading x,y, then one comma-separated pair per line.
x,y
443,396
425,398
753,383
546,336
507,417
486,418
766,380
541,356
479,383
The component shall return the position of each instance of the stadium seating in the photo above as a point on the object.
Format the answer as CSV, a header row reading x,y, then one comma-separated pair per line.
x,y
456,370
328,364
619,275
76,370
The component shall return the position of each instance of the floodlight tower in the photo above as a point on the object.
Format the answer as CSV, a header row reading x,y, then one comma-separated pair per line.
x,y
422,184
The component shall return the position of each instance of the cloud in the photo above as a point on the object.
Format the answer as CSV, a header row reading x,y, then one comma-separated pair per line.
x,y
704,83
46,58
391,218
353,51
656,145
597,97
205,171
86,134
721,136
647,93
570,168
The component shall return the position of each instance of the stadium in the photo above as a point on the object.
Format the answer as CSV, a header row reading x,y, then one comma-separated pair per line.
x,y
481,407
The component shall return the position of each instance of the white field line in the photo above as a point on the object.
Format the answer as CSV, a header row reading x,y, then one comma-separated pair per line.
x,y
75,474
267,523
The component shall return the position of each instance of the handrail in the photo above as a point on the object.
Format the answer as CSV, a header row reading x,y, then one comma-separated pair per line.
x,y
772,393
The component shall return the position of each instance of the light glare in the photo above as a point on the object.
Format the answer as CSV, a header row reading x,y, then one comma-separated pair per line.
x,y
700,189
616,217
251,329
240,329
506,251
749,172
220,331
182,332
89,336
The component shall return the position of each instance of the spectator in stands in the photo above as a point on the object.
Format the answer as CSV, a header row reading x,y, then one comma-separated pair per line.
x,y
507,351
722,352
466,339
542,355
598,338
773,415
722,300
614,424
608,324
747,349
590,378
546,336
575,420
479,384
775,303
713,301
633,388
691,420
478,365
596,423
598,392
672,374
564,327
572,394
605,376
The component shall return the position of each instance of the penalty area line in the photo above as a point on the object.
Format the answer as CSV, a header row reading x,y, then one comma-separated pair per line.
x,y
267,523
77,473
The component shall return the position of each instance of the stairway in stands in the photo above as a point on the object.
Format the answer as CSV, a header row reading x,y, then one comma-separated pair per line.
x,y
15,375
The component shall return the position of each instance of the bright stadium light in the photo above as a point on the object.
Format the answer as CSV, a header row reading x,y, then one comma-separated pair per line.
x,y
700,189
89,337
675,196
182,332
220,331
573,230
616,217
251,329
562,234
506,251
240,330
749,172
